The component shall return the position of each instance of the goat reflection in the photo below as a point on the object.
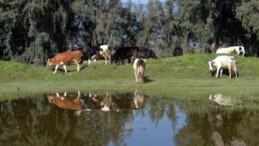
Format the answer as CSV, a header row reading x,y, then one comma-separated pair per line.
x,y
87,102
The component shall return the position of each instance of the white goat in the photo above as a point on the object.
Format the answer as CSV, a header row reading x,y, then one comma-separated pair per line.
x,y
223,62
239,50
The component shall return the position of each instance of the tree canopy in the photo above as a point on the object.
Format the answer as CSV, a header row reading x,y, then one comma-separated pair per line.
x,y
32,31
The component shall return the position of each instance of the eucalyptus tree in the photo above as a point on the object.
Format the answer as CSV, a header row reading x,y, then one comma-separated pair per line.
x,y
155,19
211,23
248,13
45,24
10,30
102,20
33,29
129,25
170,27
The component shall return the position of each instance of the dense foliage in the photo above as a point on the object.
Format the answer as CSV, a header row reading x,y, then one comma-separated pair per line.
x,y
33,30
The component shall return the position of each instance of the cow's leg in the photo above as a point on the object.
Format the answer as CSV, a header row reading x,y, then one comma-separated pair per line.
x,y
78,96
136,76
56,68
78,66
221,71
57,94
229,70
106,60
89,61
65,68
217,73
235,70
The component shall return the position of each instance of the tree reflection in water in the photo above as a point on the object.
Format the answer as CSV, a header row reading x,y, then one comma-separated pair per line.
x,y
133,119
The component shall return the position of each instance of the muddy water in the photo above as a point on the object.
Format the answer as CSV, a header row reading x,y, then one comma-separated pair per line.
x,y
126,119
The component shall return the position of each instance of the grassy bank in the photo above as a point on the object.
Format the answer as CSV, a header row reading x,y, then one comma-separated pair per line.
x,y
182,77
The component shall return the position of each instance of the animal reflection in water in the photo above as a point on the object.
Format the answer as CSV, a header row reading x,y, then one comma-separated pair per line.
x,y
87,102
222,99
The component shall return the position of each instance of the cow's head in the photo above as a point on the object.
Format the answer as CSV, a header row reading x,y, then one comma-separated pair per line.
x,y
241,50
211,65
49,62
50,98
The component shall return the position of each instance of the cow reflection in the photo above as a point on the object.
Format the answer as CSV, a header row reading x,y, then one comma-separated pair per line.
x,y
64,102
106,103
222,99
138,100
87,102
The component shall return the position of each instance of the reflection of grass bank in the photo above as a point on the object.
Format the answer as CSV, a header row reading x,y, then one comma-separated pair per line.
x,y
184,77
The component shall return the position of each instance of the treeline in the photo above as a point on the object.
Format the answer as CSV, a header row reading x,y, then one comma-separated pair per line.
x,y
31,31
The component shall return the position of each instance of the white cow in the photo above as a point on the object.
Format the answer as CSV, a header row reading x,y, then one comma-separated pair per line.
x,y
139,70
223,62
239,50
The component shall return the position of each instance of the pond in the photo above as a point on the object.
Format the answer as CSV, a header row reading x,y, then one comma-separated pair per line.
x,y
108,119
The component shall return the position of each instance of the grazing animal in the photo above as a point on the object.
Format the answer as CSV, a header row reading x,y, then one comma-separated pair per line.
x,y
95,53
88,54
177,51
239,50
223,62
65,59
66,103
139,70
146,53
103,52
124,53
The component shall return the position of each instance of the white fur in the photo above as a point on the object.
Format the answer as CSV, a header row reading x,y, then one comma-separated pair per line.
x,y
239,50
223,62
138,71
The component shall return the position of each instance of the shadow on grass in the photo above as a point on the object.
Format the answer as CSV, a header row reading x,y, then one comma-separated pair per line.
x,y
147,80
225,72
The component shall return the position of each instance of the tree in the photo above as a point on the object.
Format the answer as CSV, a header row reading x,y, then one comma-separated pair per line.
x,y
211,23
33,28
248,13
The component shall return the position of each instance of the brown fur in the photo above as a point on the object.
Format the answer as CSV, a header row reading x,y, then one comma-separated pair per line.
x,y
66,58
65,103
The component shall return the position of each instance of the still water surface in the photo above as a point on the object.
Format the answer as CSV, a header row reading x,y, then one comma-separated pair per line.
x,y
126,119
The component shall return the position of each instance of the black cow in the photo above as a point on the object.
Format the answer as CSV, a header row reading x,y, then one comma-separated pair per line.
x,y
146,53
178,51
124,53
89,53
95,53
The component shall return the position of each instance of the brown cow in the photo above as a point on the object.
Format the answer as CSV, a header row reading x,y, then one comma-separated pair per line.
x,y
64,59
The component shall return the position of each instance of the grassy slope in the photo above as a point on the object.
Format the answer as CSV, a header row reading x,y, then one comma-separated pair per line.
x,y
174,76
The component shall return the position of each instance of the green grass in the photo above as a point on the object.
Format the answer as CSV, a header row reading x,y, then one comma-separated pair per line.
x,y
182,77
